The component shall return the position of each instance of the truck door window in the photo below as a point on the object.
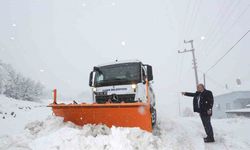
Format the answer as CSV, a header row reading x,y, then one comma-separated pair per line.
x,y
99,77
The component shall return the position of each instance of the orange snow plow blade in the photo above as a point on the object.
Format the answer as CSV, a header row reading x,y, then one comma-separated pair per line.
x,y
111,114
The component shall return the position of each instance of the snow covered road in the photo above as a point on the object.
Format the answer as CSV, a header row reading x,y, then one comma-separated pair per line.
x,y
41,131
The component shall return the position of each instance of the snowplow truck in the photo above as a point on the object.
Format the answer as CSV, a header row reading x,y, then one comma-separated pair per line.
x,y
122,95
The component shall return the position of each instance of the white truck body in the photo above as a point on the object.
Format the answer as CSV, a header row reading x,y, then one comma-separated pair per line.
x,y
122,82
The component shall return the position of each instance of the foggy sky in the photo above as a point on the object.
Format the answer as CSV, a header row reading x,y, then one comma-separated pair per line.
x,y
58,42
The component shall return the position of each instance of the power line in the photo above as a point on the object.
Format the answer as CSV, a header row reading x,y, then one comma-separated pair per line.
x,y
227,52
228,29
191,17
219,23
184,31
220,29
193,23
186,25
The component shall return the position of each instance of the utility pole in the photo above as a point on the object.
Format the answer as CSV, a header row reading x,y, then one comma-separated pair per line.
x,y
204,79
194,59
179,104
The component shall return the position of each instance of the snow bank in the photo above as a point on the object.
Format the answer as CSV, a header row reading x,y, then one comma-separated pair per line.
x,y
54,134
177,133
95,137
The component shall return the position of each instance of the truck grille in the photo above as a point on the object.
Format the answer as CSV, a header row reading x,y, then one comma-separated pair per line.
x,y
127,98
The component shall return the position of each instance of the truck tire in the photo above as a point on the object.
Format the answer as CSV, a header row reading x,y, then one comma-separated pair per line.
x,y
153,116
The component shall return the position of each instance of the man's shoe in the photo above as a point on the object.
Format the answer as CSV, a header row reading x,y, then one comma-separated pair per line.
x,y
208,140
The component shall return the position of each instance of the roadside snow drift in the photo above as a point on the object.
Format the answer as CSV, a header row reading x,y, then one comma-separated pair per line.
x,y
54,134
37,129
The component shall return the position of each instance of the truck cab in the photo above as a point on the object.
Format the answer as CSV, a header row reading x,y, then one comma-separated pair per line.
x,y
123,82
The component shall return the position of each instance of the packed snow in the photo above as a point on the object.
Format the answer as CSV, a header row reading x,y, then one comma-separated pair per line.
x,y
28,125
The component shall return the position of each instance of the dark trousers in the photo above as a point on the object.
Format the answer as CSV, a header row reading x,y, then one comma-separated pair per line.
x,y
206,121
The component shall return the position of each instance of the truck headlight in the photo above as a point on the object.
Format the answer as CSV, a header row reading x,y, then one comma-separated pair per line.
x,y
133,86
94,89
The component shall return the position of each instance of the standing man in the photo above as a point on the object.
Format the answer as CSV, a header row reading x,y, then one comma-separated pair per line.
x,y
203,103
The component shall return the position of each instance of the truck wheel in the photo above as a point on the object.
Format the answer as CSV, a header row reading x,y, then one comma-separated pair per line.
x,y
153,116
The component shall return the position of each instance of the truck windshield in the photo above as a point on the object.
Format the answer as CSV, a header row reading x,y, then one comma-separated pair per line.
x,y
126,73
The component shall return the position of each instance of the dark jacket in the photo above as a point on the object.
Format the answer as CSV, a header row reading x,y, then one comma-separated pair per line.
x,y
206,101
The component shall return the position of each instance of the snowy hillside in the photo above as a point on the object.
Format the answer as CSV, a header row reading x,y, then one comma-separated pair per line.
x,y
15,114
26,125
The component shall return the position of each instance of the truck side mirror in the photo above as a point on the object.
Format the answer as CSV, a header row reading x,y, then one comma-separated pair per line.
x,y
149,73
91,78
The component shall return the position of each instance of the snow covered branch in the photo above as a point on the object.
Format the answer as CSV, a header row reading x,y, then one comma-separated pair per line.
x,y
15,85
